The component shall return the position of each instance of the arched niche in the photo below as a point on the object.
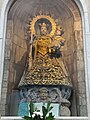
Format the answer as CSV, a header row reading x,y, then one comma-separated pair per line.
x,y
16,48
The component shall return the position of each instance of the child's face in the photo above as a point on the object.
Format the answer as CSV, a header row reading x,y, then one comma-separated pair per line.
x,y
58,32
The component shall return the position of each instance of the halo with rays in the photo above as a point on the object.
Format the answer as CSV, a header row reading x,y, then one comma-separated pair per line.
x,y
42,16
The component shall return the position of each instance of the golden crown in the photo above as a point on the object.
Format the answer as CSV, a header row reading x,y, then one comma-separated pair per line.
x,y
43,24
59,27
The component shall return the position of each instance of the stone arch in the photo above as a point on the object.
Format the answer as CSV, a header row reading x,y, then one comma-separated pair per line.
x,y
7,4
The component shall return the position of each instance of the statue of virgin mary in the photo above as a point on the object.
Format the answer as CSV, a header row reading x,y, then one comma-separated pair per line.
x,y
47,65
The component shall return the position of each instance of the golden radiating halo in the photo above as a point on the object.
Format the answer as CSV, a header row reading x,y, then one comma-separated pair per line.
x,y
35,19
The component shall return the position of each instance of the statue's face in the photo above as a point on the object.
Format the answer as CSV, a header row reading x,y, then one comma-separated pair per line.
x,y
43,30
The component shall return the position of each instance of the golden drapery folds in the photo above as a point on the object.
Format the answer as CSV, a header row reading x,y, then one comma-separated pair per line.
x,y
47,65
